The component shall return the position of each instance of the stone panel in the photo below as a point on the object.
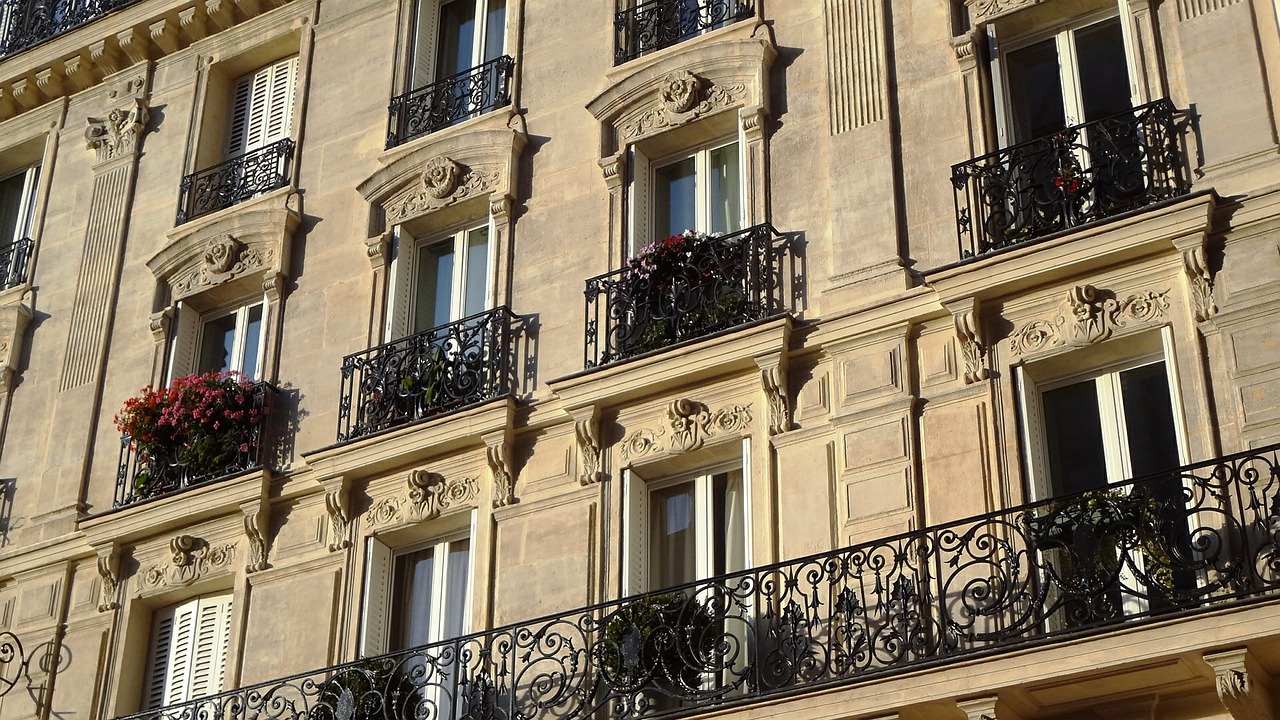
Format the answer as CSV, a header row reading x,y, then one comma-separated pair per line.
x,y
289,624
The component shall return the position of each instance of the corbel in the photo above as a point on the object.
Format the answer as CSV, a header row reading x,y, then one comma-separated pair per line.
x,y
77,73
25,92
337,503
251,8
1243,686
1195,264
165,35
134,45
109,574
219,11
986,708
104,56
613,169
497,446
751,122
773,381
273,286
49,81
966,314
500,208
13,327
255,530
192,23
376,248
586,427
160,323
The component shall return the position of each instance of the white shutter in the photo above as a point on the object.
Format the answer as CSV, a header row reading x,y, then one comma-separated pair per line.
x,y
262,107
188,654
377,599
182,346
153,691
177,679
279,105
400,291
209,647
641,201
422,65
635,527
1032,416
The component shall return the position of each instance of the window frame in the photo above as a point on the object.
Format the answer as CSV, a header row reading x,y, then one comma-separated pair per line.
x,y
26,203
644,184
224,609
413,64
188,337
289,66
404,269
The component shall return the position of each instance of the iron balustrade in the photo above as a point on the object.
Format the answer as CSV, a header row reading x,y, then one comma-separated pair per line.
x,y
1183,542
450,101
435,371
1084,173
235,180
726,281
27,23
649,26
14,257
142,477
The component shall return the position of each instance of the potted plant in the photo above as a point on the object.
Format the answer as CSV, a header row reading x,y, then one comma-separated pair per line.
x,y
1092,526
665,637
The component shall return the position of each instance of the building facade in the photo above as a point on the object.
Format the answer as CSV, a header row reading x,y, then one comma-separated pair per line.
x,y
804,358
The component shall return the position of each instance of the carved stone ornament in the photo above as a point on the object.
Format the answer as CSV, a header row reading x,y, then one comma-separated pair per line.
x,y
773,381
440,177
428,495
683,97
587,431
691,424
1195,264
972,347
255,531
337,494
443,182
1243,686
1089,316
116,135
109,574
985,10
191,559
224,258
498,455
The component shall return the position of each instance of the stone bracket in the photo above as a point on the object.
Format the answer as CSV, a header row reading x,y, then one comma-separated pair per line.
x,y
586,427
109,573
986,708
337,504
773,381
967,316
1243,686
256,512
498,454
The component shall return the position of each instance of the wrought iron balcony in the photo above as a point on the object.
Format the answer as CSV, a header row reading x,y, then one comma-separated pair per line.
x,y
1189,541
716,283
450,101
235,180
1082,174
14,257
417,377
27,23
142,476
646,27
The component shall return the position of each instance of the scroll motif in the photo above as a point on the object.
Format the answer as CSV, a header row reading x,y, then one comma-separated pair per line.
x,y
689,424
117,134
1089,316
191,559
683,97
225,258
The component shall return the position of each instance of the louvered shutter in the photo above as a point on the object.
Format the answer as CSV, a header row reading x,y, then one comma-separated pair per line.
x,y
153,691
422,65
176,680
641,197
403,274
188,654
635,509
209,646
262,107
182,348
377,599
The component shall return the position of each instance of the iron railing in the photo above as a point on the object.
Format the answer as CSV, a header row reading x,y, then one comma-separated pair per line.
x,y
646,27
27,23
435,371
450,101
142,476
14,257
1084,173
235,180
1183,542
718,283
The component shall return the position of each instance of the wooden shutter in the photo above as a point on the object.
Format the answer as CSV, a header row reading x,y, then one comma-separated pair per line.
x,y
188,654
422,62
209,647
262,107
377,599
641,201
178,676
153,691
404,264
635,509
183,343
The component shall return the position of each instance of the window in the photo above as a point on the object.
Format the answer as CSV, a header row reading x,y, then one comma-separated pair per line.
x,y
17,206
685,529
262,107
417,595
701,191
218,341
452,36
188,652
439,281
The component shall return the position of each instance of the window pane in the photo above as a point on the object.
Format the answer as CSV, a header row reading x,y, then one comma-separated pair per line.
x,y
455,605
1073,431
411,599
11,206
1035,91
477,271
1104,74
217,341
726,198
675,199
434,286
495,28
672,539
457,37
252,338
1148,420
728,531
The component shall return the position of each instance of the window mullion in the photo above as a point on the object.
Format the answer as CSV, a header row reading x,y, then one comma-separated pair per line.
x,y
702,191
703,521
440,592
458,290
1069,72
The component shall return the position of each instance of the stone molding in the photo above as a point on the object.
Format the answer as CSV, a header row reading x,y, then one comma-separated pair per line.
x,y
683,97
1243,686
427,495
687,425
190,559
1088,316
983,11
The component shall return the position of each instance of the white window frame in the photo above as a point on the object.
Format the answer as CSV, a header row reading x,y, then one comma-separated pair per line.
x,y
380,562
27,204
417,67
1064,37
644,187
261,108
403,275
192,639
184,351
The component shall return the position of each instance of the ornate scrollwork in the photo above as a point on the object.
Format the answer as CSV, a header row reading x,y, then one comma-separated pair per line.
x,y
428,496
1088,316
109,577
586,428
682,98
1195,264
224,258
690,424
190,559
116,135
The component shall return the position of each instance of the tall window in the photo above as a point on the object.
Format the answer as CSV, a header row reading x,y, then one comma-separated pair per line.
x,y
187,658
17,206
701,191
262,107
439,281
418,595
218,341
451,36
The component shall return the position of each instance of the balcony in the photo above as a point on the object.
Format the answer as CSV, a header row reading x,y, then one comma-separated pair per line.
x,y
418,377
704,286
236,180
14,257
1179,544
450,101
158,468
27,23
1083,174
647,27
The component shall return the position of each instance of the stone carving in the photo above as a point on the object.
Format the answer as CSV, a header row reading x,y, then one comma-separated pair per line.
x,y
109,572
256,533
972,347
503,480
1243,685
225,258
586,427
429,495
337,495
1195,263
984,10
691,424
443,182
773,380
116,135
683,97
190,560
1089,316
440,178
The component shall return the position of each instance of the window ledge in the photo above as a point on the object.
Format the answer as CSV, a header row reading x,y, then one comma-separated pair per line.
x,y
176,510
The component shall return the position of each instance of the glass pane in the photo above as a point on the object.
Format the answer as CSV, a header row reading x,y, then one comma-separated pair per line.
x,y
411,599
11,206
1073,434
1035,91
728,532
476,282
1148,420
455,604
252,339
726,196
1104,74
675,199
457,37
434,290
495,29
672,538
217,341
